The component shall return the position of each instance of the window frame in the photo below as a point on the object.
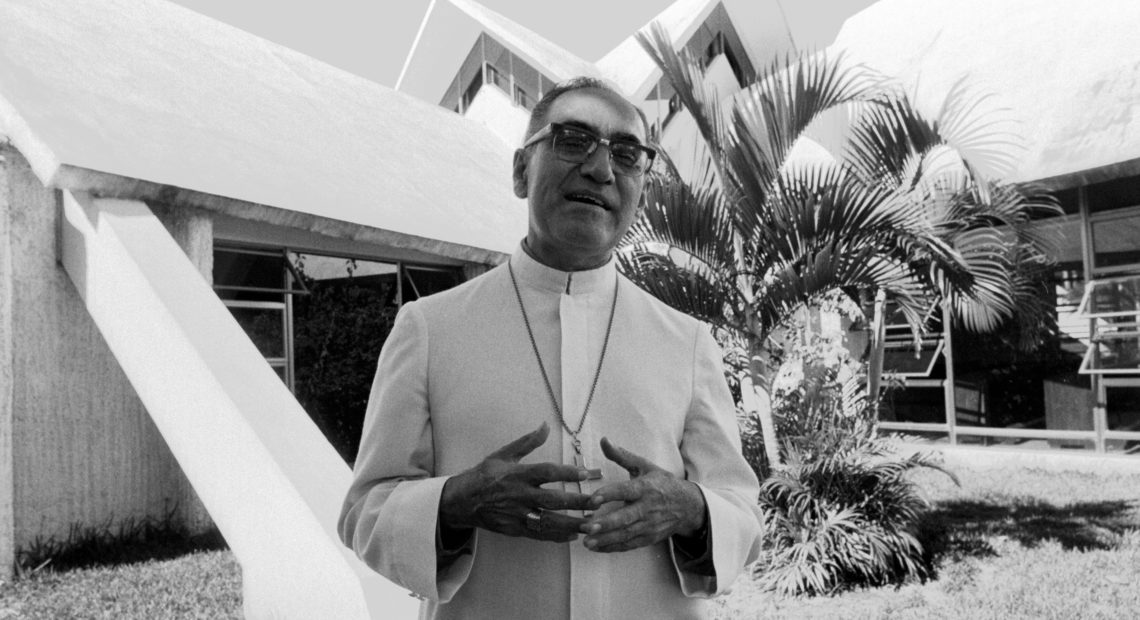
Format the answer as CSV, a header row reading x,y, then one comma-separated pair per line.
x,y
1090,362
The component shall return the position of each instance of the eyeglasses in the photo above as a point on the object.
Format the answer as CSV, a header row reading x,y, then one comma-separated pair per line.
x,y
576,145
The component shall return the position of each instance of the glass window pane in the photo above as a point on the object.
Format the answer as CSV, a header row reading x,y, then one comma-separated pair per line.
x,y
1112,353
259,296
1122,406
1115,194
317,268
527,79
499,69
265,327
914,404
1065,233
1072,327
1112,296
1115,241
256,270
472,89
421,282
338,330
901,358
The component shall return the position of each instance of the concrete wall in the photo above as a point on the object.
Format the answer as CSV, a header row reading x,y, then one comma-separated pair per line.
x,y
7,463
83,449
681,139
494,108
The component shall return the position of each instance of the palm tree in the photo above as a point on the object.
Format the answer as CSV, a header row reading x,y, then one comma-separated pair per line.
x,y
905,212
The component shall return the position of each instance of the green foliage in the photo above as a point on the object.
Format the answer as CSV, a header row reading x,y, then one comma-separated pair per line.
x,y
840,513
339,330
907,203
115,542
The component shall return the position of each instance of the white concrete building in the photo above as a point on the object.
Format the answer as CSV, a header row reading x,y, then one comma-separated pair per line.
x,y
147,153
181,204
1063,75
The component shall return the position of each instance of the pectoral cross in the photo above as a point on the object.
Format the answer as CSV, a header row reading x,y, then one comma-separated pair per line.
x,y
580,463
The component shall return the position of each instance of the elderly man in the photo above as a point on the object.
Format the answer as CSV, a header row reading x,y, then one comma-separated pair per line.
x,y
628,498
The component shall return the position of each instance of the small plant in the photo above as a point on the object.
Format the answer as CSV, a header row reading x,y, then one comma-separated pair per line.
x,y
840,513
130,540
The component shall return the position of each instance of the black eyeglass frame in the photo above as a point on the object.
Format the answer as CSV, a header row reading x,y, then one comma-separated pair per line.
x,y
554,130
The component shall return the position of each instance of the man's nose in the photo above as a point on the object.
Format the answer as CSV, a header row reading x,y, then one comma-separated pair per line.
x,y
598,166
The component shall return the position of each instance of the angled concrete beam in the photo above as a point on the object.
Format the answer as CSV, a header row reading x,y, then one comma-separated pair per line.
x,y
269,479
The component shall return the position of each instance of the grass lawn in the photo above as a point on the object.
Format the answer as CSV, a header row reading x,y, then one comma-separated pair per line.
x,y
1009,544
203,584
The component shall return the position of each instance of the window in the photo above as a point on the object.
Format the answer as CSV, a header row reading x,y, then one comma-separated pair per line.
x,y
717,46
424,281
1114,241
920,402
472,90
497,77
902,356
1113,305
523,99
320,321
257,286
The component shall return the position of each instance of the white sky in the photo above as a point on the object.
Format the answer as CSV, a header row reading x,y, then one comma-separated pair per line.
x,y
371,38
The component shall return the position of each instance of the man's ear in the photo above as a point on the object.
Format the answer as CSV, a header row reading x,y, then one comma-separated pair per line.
x,y
519,173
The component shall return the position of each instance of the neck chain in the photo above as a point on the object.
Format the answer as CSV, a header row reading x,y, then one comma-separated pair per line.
x,y
546,379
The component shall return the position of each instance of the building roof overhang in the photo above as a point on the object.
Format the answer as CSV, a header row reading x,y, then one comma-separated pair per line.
x,y
433,62
145,99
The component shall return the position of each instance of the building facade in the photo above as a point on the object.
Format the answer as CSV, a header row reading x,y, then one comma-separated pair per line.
x,y
1067,88
198,230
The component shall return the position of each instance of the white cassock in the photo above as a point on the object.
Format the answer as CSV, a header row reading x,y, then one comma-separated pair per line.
x,y
458,379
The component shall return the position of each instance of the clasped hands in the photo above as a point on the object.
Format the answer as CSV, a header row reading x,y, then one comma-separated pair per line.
x,y
499,492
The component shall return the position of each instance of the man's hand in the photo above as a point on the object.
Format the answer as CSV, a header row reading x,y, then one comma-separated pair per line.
x,y
655,505
498,493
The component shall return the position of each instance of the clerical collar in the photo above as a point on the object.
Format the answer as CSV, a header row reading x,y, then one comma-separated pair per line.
x,y
534,274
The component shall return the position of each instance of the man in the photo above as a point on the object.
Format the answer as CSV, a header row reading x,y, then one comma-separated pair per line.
x,y
629,498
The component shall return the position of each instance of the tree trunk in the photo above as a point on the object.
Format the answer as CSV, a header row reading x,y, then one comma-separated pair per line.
x,y
875,360
756,396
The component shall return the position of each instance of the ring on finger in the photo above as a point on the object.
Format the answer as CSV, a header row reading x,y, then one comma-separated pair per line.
x,y
534,521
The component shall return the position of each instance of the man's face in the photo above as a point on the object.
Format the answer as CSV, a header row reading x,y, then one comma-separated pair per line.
x,y
569,229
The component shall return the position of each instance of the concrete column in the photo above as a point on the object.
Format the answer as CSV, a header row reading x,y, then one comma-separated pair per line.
x,y
193,231
474,270
7,488
84,451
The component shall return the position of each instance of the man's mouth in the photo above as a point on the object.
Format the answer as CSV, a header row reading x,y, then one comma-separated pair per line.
x,y
589,199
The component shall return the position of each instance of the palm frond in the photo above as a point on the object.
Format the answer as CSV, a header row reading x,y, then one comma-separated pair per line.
x,y
687,77
693,289
772,113
982,137
888,140
692,220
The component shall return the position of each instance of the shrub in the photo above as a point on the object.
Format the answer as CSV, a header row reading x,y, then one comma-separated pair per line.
x,y
127,540
840,513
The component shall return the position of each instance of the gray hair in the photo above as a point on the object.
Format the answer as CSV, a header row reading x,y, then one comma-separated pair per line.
x,y
542,108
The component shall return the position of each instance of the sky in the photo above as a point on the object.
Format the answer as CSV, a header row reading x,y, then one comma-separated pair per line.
x,y
371,38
